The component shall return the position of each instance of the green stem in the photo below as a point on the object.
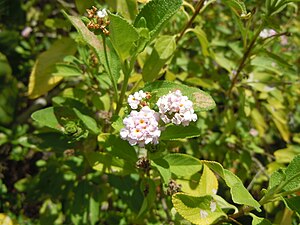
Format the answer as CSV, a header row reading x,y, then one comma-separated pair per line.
x,y
244,59
109,71
127,69
197,10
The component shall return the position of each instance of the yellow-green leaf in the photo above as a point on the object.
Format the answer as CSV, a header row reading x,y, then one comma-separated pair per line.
x,y
209,182
41,79
202,210
5,219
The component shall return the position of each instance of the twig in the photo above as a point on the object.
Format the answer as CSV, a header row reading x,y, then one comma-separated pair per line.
x,y
235,221
189,24
165,207
243,61
253,180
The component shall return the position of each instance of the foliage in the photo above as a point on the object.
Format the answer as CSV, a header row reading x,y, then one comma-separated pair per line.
x,y
216,82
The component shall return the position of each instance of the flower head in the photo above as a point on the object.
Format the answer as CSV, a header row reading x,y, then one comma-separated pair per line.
x,y
102,13
141,127
176,108
265,33
136,99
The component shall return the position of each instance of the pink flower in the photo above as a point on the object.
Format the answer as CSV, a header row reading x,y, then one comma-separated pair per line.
x,y
176,108
135,100
141,127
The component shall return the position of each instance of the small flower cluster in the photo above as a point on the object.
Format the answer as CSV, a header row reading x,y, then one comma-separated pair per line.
x,y
138,99
265,33
176,108
143,127
99,20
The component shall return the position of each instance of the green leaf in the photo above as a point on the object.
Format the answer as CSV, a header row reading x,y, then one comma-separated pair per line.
x,y
163,168
224,62
163,50
41,79
279,118
123,36
106,163
259,221
66,70
200,185
293,203
173,132
201,35
182,164
201,100
47,117
286,155
148,187
8,92
293,174
83,5
88,121
224,205
122,149
266,63
110,61
190,185
197,209
156,13
128,8
94,207
238,192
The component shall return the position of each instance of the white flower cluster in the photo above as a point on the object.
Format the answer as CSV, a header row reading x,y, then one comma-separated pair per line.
x,y
142,127
102,13
176,108
265,33
136,99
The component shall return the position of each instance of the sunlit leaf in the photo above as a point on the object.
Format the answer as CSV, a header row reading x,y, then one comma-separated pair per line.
x,y
238,192
173,132
41,79
155,14
286,155
107,163
182,164
5,219
197,210
259,221
127,8
208,183
123,36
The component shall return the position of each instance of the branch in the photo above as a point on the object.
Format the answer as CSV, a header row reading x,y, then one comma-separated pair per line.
x,y
189,24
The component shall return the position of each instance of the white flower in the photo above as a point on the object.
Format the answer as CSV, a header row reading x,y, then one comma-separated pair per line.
x,y
102,13
213,206
265,33
135,100
141,127
214,191
203,214
176,108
